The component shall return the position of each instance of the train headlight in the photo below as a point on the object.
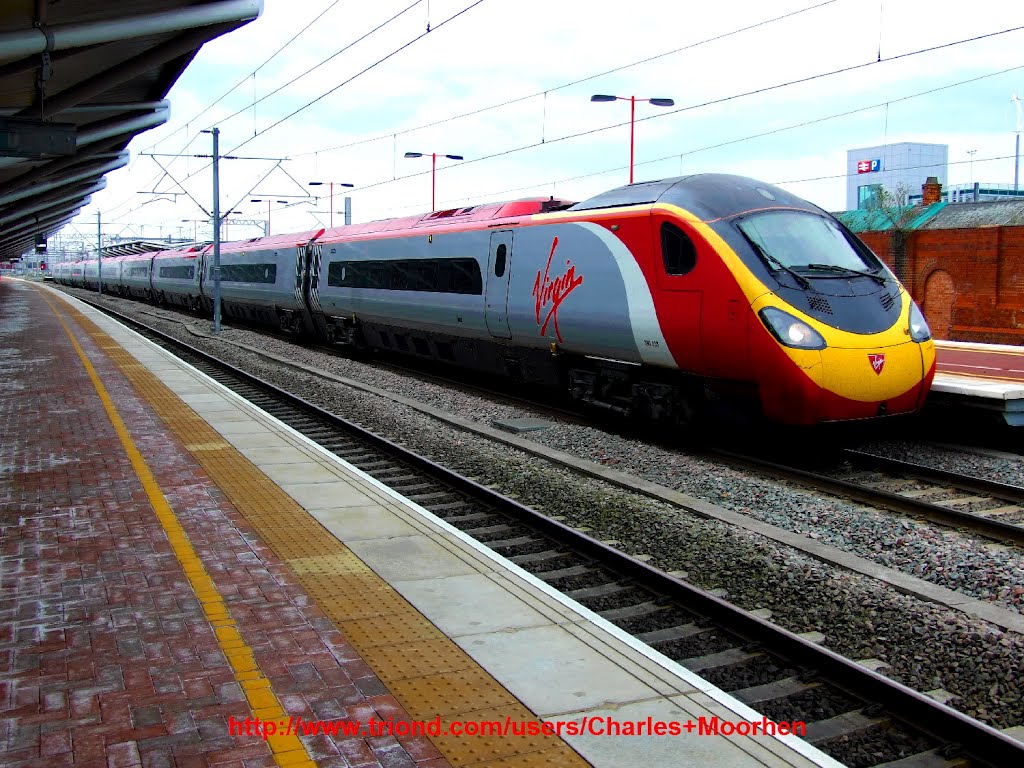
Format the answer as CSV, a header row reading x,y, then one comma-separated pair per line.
x,y
790,331
919,330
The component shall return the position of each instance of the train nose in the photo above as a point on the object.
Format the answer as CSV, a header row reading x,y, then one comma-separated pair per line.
x,y
868,382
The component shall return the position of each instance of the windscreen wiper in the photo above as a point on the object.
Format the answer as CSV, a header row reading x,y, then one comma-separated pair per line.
x,y
847,271
772,261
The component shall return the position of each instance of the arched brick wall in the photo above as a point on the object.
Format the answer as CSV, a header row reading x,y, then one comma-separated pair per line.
x,y
939,297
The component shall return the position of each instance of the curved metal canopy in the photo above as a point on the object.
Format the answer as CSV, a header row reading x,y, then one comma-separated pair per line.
x,y
79,79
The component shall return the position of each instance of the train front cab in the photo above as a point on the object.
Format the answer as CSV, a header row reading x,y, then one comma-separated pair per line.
x,y
837,338
816,344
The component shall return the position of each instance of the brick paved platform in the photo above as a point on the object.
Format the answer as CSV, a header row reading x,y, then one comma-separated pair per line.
x,y
107,656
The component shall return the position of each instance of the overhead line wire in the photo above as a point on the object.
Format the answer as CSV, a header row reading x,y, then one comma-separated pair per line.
x,y
230,91
574,82
244,79
349,80
721,144
715,38
342,50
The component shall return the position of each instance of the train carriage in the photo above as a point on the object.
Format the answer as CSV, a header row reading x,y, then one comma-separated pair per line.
x,y
75,275
110,270
260,281
136,271
175,277
90,274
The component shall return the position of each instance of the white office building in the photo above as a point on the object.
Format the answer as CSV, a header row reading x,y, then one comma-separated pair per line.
x,y
892,167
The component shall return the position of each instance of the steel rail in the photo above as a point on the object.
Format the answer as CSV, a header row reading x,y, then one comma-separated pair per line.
x,y
953,518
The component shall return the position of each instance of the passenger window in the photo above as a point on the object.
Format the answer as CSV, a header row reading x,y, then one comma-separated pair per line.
x,y
499,261
677,250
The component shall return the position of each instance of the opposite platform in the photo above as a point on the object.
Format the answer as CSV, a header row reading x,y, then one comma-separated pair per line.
x,y
298,597
985,376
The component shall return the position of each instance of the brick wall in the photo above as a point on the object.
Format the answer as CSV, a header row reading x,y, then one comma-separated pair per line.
x,y
970,282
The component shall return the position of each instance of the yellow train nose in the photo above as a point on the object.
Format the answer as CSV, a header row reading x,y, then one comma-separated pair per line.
x,y
872,373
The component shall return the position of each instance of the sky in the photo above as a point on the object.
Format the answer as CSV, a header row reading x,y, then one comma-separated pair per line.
x,y
344,103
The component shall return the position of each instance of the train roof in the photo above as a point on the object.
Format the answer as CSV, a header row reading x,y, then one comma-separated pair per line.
x,y
193,251
708,196
463,216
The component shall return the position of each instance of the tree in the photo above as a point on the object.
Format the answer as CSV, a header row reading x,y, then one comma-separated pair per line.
x,y
893,207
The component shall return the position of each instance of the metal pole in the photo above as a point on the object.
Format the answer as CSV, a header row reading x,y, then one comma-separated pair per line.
x,y
216,230
99,255
1016,166
268,218
332,205
433,181
348,210
632,125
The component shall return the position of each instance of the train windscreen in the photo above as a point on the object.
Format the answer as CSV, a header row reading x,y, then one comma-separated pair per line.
x,y
802,241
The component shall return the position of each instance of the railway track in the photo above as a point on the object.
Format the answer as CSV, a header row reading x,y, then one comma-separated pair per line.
x,y
983,507
856,715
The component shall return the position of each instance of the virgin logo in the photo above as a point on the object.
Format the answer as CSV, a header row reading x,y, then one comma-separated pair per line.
x,y
877,363
549,293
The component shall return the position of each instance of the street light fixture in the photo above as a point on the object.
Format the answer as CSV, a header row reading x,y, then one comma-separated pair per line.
x,y
632,117
260,200
332,183
433,172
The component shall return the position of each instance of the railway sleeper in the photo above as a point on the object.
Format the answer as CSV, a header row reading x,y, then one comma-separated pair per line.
x,y
1007,510
536,557
406,488
562,573
472,517
370,466
451,506
487,530
846,724
388,475
602,590
631,611
965,500
419,498
356,457
518,541
669,634
726,658
777,689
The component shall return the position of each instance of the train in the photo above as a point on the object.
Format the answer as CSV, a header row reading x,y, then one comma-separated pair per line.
x,y
666,300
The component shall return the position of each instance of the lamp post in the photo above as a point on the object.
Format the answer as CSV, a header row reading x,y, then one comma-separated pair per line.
x,y
260,200
972,153
632,117
332,183
433,172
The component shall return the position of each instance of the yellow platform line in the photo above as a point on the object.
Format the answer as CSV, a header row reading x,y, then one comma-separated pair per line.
x,y
426,671
288,750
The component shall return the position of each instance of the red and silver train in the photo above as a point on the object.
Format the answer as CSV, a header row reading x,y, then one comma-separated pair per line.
x,y
663,299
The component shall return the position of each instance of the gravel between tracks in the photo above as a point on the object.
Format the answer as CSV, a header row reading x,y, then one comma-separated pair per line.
x,y
926,646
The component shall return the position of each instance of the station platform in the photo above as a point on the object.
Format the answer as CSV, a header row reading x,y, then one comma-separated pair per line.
x,y
989,377
187,581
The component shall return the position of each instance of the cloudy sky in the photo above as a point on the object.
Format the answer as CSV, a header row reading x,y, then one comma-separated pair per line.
x,y
508,85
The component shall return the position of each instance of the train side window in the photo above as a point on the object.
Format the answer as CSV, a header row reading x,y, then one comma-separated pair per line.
x,y
677,250
499,261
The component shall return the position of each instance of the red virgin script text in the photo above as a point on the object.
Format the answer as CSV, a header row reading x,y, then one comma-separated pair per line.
x,y
589,725
549,293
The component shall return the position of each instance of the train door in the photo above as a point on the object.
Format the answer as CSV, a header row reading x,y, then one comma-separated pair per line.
x,y
499,269
307,286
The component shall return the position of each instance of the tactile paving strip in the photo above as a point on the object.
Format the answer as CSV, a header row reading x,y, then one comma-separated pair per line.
x,y
427,672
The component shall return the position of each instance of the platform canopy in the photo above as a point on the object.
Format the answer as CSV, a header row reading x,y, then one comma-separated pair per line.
x,y
79,79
